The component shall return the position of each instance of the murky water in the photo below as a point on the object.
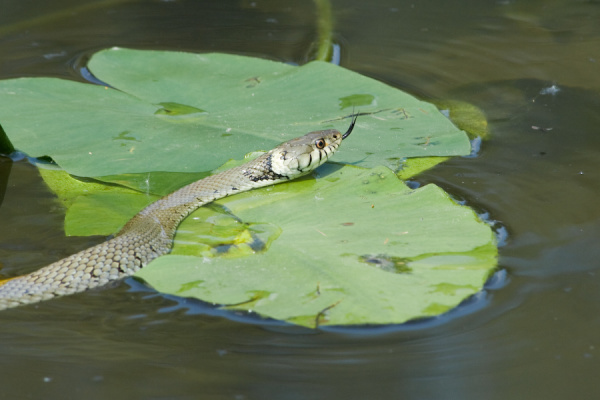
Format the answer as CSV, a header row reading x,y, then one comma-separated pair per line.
x,y
532,335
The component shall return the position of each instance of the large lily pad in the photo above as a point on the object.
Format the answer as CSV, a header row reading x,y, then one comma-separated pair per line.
x,y
191,110
355,247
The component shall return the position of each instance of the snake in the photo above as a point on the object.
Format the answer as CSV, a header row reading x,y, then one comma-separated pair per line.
x,y
149,234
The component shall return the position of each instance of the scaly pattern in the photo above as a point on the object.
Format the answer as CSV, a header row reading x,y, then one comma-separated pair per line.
x,y
150,233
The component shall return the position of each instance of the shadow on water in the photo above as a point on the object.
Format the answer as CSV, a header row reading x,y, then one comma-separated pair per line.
x,y
5,167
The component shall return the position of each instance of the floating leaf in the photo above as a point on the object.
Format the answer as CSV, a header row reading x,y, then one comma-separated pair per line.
x,y
356,247
466,116
193,110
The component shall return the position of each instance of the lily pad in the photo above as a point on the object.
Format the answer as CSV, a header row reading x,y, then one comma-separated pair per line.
x,y
356,247
191,110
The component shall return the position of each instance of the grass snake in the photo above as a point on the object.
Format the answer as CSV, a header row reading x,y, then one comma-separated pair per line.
x,y
149,234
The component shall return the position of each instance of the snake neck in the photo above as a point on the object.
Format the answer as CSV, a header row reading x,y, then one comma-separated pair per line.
x,y
162,217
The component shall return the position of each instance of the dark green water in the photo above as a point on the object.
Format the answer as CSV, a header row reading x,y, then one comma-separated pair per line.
x,y
533,335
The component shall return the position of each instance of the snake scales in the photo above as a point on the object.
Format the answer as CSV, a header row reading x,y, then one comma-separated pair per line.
x,y
149,234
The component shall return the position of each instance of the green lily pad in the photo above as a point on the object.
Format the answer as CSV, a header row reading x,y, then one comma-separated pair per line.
x,y
467,117
86,199
356,247
192,110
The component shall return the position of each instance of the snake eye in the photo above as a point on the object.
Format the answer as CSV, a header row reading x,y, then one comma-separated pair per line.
x,y
320,143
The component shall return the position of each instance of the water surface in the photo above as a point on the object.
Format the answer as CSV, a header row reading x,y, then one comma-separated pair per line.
x,y
532,335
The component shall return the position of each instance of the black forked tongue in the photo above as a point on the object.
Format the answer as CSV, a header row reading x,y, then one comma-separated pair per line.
x,y
349,131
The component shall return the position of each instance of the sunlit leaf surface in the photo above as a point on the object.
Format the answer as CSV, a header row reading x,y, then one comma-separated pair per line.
x,y
193,110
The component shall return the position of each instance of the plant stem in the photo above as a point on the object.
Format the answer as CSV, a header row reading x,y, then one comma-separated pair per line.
x,y
324,30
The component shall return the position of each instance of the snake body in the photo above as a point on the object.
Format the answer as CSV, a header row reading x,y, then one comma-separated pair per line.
x,y
149,234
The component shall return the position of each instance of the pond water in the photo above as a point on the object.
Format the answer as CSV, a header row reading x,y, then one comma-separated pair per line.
x,y
532,66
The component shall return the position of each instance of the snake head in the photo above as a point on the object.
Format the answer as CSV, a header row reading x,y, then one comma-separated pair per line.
x,y
301,155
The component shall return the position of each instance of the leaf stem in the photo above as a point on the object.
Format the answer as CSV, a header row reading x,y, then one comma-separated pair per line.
x,y
324,31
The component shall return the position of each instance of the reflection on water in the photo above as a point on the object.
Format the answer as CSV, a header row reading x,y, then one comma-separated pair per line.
x,y
531,334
